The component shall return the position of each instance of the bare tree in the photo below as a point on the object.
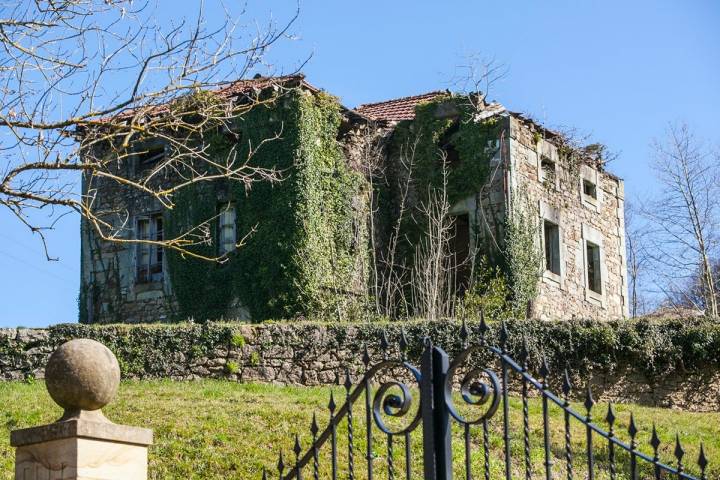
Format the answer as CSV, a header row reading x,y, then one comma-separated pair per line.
x,y
475,76
389,273
637,259
83,83
684,219
433,276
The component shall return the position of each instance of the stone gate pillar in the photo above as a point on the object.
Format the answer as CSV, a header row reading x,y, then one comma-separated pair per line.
x,y
82,376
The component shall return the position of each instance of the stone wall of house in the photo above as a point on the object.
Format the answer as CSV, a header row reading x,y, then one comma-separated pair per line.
x,y
580,218
109,291
623,361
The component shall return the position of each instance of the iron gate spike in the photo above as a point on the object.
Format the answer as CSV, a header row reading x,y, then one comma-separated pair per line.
x,y
464,334
366,356
655,441
281,462
483,324
589,400
403,342
331,403
566,386
503,336
348,382
610,417
314,426
524,353
384,343
702,460
544,369
632,429
297,448
679,451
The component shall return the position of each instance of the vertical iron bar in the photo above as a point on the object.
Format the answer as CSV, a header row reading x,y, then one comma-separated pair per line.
x,y
544,371
566,389
351,443
468,473
333,436
526,414
632,430
368,418
390,460
568,447
506,419
546,437
408,464
526,431
426,405
316,459
486,449
655,442
297,450
702,462
589,402
441,414
679,453
610,417
280,466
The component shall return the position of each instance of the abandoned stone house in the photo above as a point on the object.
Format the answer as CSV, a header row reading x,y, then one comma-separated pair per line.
x,y
316,234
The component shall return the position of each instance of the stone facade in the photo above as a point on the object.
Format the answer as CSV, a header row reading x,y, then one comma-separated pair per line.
x,y
580,218
318,354
579,212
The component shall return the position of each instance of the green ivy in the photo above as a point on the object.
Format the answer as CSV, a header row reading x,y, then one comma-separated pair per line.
x,y
655,347
448,122
299,259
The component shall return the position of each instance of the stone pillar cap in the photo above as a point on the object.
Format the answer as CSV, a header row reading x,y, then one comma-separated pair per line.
x,y
81,428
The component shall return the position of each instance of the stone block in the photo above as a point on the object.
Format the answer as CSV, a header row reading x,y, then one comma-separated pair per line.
x,y
81,450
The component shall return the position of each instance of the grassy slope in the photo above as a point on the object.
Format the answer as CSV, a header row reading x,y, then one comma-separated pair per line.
x,y
216,429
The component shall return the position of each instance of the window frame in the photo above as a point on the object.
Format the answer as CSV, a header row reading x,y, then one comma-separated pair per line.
x,y
223,209
592,176
140,150
544,159
552,215
154,270
594,238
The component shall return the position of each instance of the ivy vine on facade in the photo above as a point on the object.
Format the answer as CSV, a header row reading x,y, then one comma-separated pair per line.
x,y
525,212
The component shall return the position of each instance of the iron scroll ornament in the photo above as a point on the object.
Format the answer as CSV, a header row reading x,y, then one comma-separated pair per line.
x,y
395,405
473,391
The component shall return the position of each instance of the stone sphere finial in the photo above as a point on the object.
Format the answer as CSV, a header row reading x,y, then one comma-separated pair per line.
x,y
82,375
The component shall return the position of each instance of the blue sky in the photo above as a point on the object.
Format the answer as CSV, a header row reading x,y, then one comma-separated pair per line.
x,y
616,70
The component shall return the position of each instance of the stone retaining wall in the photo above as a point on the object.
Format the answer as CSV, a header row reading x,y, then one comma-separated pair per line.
x,y
669,363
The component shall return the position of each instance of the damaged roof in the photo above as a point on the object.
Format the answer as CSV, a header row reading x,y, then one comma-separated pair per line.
x,y
227,91
397,109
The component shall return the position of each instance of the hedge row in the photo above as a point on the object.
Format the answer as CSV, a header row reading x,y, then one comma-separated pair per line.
x,y
654,347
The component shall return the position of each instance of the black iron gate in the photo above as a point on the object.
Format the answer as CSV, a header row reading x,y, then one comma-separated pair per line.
x,y
441,385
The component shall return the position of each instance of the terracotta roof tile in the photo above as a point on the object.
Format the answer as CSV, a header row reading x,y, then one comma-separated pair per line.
x,y
398,108
233,89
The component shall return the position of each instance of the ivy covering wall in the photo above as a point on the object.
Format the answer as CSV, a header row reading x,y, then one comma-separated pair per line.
x,y
674,355
508,260
301,257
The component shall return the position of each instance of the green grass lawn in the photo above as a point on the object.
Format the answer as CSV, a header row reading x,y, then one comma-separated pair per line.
x,y
218,429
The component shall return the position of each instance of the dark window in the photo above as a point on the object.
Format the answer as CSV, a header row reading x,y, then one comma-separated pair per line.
x,y
594,277
589,189
227,236
451,155
149,257
552,247
547,172
460,252
148,156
